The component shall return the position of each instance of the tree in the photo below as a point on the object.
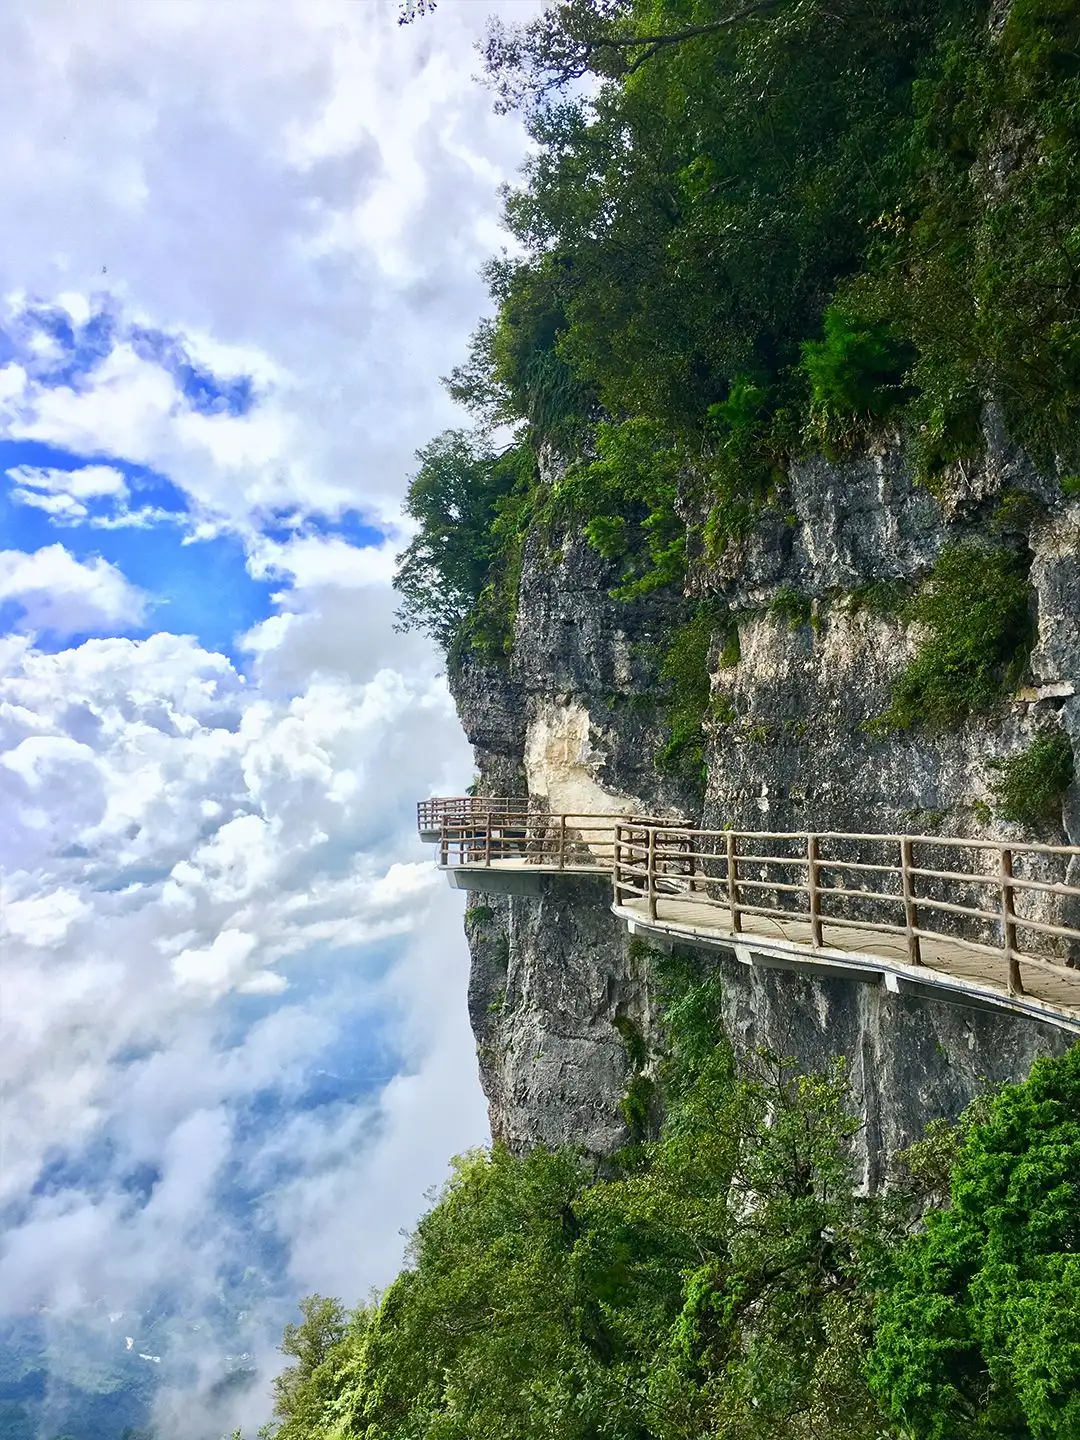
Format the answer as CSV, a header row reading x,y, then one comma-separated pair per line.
x,y
978,1332
319,1344
526,64
455,498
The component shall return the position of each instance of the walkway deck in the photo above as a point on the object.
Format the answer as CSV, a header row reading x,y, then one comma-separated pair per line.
x,y
950,972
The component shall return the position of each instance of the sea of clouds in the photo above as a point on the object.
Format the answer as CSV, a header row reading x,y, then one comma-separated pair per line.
x,y
238,246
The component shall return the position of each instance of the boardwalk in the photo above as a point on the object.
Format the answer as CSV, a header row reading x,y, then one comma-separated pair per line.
x,y
953,973
970,921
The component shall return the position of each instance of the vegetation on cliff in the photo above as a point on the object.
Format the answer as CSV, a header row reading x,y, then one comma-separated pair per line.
x,y
731,1279
747,233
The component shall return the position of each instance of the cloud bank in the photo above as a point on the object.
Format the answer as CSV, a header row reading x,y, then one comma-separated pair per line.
x,y
235,254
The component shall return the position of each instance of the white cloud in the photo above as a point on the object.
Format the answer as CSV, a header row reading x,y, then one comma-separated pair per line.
x,y
310,561
201,840
84,483
212,886
56,592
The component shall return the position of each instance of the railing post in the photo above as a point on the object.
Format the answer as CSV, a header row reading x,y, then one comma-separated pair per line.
x,y
812,854
650,866
1008,923
444,846
562,842
733,884
911,913
616,856
487,840
691,842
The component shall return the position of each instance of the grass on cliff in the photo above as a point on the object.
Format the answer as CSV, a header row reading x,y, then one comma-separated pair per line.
x,y
976,628
1031,785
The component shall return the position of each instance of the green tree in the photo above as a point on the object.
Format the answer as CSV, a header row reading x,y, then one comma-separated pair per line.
x,y
319,1344
455,498
978,1333
715,1287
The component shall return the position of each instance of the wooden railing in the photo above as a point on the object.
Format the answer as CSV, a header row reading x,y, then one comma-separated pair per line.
x,y
536,837
430,814
1008,900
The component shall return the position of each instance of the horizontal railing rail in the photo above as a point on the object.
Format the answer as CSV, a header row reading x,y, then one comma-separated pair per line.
x,y
1012,900
533,838
430,814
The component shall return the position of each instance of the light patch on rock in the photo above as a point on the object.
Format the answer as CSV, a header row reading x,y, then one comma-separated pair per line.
x,y
561,764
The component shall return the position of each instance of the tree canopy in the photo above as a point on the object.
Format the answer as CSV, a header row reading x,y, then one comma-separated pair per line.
x,y
731,1278
753,230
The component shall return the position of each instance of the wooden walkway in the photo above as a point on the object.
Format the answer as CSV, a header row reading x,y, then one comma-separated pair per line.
x,y
955,973
981,922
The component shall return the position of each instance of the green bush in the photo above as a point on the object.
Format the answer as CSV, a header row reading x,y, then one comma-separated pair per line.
x,y
684,672
1032,784
880,598
978,1325
974,610
858,369
792,607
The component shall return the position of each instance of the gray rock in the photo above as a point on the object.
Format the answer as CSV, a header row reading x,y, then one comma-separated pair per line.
x,y
552,974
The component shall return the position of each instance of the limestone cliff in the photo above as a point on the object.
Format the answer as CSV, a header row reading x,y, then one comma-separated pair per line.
x,y
574,720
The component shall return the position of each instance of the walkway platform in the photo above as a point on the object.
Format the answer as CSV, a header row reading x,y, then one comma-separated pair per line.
x,y
950,973
518,877
991,924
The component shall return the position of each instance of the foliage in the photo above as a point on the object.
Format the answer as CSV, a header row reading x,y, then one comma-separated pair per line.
x,y
1015,512
757,230
858,369
880,598
624,502
1031,784
457,576
730,1279
792,607
319,1345
684,672
706,1290
978,1329
976,635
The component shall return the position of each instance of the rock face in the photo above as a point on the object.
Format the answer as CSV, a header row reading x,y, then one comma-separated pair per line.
x,y
574,719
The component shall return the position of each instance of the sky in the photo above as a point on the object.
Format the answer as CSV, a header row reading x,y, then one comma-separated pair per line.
x,y
238,246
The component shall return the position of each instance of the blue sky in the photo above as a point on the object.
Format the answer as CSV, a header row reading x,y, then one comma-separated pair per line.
x,y
193,571
233,1042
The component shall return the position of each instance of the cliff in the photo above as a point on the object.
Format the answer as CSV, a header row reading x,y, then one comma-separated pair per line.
x,y
577,716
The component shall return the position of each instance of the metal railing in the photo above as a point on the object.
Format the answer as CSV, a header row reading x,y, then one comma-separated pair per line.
x,y
431,814
995,898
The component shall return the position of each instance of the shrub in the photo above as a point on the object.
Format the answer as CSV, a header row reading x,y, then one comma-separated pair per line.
x,y
974,609
685,672
794,608
857,369
1031,784
978,1328
1015,511
879,598
623,502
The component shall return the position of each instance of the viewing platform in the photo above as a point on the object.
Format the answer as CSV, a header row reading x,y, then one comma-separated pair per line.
x,y
982,923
